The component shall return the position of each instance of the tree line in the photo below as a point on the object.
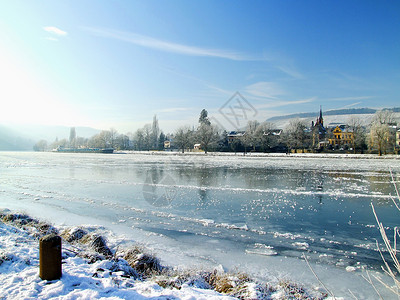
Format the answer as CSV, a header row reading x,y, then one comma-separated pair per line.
x,y
255,137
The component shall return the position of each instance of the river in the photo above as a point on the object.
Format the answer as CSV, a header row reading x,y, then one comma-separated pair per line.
x,y
257,214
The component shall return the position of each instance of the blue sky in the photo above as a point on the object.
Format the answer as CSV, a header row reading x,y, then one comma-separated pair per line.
x,y
117,63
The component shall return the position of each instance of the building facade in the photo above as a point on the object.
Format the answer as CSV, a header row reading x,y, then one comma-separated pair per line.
x,y
341,136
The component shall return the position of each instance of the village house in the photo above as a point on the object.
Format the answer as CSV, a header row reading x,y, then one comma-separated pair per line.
x,y
196,147
342,136
235,135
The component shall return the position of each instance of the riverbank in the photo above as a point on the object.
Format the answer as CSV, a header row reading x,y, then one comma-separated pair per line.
x,y
259,154
94,269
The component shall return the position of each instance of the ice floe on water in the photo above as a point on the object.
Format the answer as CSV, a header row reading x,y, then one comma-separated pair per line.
x,y
261,249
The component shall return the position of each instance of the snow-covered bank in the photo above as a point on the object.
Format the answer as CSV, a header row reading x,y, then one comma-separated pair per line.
x,y
260,154
92,275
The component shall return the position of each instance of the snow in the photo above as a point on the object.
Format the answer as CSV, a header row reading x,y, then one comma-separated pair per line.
x,y
19,276
111,278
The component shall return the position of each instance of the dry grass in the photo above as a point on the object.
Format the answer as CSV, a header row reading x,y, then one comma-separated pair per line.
x,y
235,284
74,234
146,265
295,291
390,268
97,243
26,222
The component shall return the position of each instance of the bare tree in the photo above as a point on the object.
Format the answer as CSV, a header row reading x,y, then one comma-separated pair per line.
x,y
358,131
147,134
264,136
380,135
208,136
250,138
183,138
155,133
101,140
59,143
384,117
121,142
138,139
40,146
113,134
295,135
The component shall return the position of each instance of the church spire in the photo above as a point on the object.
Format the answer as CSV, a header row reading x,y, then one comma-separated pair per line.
x,y
321,120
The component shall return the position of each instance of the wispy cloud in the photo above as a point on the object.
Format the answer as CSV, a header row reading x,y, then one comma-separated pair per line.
x,y
167,46
209,85
350,98
50,38
285,103
353,104
55,30
173,110
264,89
291,71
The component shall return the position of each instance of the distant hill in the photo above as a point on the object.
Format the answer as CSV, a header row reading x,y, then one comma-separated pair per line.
x,y
350,111
23,137
331,116
12,140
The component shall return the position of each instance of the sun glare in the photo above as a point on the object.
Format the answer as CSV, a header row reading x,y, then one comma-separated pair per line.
x,y
25,99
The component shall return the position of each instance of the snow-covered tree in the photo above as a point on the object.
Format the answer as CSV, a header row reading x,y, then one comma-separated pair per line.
x,y
295,135
207,135
155,133
380,134
358,131
250,138
183,138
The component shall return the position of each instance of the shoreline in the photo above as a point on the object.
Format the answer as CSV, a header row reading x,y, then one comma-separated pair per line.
x,y
235,154
128,269
102,274
261,155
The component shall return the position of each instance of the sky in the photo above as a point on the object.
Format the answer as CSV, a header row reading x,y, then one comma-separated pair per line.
x,y
117,64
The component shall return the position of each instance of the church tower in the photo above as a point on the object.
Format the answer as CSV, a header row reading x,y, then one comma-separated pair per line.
x,y
321,119
318,130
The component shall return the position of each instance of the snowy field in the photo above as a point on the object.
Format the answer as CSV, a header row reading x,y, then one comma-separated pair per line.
x,y
256,215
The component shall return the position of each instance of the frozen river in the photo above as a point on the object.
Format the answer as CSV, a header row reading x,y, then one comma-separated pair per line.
x,y
258,214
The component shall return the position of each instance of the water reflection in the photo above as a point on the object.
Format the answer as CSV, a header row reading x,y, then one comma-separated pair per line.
x,y
296,210
159,188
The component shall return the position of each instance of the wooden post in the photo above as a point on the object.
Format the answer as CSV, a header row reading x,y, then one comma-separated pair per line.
x,y
50,257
